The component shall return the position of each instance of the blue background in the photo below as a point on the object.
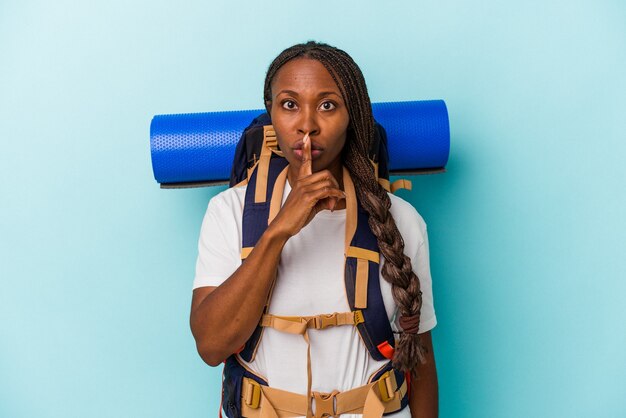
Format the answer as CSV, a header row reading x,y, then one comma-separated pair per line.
x,y
527,227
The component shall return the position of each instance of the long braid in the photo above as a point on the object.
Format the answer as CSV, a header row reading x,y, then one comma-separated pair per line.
x,y
397,268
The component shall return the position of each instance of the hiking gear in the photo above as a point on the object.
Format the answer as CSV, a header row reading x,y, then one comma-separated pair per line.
x,y
243,391
196,149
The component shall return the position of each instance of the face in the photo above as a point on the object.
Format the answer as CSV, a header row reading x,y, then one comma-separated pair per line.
x,y
305,99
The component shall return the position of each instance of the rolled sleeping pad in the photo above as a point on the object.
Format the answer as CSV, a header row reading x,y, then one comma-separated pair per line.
x,y
197,149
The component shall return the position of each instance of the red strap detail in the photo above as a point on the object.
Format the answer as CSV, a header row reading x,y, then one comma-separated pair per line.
x,y
386,349
407,377
236,352
222,397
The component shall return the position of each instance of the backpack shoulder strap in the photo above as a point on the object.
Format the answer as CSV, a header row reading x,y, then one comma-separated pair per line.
x,y
362,279
262,202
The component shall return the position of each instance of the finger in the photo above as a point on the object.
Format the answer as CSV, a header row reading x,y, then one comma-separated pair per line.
x,y
306,167
309,187
323,175
326,198
334,180
324,186
329,203
332,203
325,193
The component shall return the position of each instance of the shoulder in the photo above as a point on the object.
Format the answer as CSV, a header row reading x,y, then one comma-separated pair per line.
x,y
221,225
410,223
229,201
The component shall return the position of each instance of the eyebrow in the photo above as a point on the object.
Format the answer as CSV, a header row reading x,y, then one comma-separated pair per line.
x,y
320,94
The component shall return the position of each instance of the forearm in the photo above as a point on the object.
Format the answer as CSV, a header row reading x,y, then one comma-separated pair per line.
x,y
424,396
223,318
226,317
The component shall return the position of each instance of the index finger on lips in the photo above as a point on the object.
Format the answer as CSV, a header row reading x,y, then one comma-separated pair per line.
x,y
306,167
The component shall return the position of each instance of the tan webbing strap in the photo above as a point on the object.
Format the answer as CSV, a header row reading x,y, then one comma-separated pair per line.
x,y
351,208
309,376
362,278
299,324
373,406
363,253
260,193
385,184
401,184
245,252
277,195
396,185
271,402
353,401
371,400
241,183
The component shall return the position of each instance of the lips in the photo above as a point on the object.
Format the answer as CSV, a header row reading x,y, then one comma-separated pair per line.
x,y
315,153
300,144
316,150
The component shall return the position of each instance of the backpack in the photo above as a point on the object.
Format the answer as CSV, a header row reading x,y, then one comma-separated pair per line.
x,y
259,163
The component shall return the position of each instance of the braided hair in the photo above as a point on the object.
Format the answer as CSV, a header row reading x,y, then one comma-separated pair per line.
x,y
397,268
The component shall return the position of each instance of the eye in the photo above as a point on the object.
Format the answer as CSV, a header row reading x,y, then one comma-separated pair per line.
x,y
289,104
326,106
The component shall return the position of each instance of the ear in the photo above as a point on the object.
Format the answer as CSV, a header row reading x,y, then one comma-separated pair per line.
x,y
268,106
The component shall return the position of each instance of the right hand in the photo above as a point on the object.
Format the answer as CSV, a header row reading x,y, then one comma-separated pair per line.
x,y
311,193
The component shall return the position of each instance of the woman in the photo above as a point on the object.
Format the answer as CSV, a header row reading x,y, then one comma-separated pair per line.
x,y
321,113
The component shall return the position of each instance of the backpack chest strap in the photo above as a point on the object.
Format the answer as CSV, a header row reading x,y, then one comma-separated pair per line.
x,y
299,324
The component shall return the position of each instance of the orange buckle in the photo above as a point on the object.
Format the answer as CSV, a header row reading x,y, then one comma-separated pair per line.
x,y
387,386
386,349
325,321
358,317
253,397
325,404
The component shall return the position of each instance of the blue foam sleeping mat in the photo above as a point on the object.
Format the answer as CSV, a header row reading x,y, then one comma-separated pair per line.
x,y
197,149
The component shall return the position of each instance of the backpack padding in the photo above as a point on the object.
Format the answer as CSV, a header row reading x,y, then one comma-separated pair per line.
x,y
198,148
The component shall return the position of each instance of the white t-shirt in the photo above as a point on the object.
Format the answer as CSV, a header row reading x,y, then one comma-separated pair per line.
x,y
310,281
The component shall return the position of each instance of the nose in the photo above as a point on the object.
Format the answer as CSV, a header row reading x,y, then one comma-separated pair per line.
x,y
308,121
